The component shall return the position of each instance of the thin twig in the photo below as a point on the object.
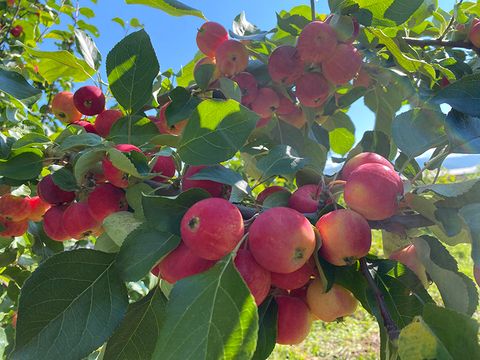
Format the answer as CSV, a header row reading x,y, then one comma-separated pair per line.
x,y
312,7
439,43
392,329
450,23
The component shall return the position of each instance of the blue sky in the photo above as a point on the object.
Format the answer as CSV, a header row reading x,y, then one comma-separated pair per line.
x,y
174,37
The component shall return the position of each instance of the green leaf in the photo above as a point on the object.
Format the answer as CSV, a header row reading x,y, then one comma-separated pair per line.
x,y
122,162
86,160
166,213
142,249
134,197
223,175
133,129
384,101
30,140
341,140
458,332
225,317
185,76
131,68
119,21
462,95
463,132
79,302
80,141
15,85
171,7
417,130
165,139
230,89
106,244
119,225
182,106
215,132
406,61
55,65
203,75
86,46
65,179
24,164
267,331
387,13
281,160
135,338
457,290
471,214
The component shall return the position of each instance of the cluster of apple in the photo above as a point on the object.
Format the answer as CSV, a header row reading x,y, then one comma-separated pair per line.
x,y
16,211
303,75
275,252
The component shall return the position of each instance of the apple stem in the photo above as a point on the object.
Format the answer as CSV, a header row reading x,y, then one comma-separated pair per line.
x,y
392,329
312,6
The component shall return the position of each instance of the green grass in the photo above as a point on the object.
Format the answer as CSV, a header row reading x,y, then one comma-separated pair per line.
x,y
357,336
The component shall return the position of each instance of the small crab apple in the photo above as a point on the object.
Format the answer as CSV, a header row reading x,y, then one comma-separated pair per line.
x,y
266,102
257,278
408,257
87,126
14,208
53,224
293,280
16,31
312,89
231,57
105,120
346,237
329,306
112,174
285,65
306,198
286,106
248,86
210,36
165,166
316,42
13,228
361,159
474,34
281,240
214,188
78,221
373,190
89,100
476,274
342,65
294,320
51,193
265,193
105,200
38,208
212,228
181,263
162,124
297,119
64,108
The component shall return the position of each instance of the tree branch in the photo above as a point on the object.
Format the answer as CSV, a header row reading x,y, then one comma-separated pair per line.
x,y
411,221
392,329
439,43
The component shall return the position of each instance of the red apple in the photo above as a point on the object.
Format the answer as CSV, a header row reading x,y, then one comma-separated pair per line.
x,y
408,257
373,190
342,65
336,303
265,193
52,193
87,126
215,189
181,263
78,222
13,228
476,274
212,228
53,224
105,120
64,109
89,100
162,124
38,208
16,31
306,198
312,89
346,237
105,200
210,36
316,42
266,102
293,280
231,57
114,175
474,34
165,166
361,159
248,85
285,65
294,320
281,240
14,208
257,278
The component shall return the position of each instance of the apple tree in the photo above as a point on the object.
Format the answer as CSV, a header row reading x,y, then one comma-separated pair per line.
x,y
189,214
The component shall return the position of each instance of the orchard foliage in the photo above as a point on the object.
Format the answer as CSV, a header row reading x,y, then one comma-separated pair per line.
x,y
186,214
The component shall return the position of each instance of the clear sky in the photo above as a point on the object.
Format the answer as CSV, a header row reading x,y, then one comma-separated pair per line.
x,y
174,37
